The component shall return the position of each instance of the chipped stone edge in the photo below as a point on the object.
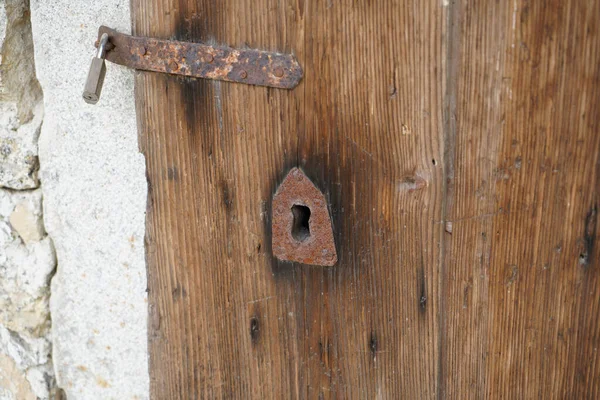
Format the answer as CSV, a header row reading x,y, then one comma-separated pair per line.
x,y
27,356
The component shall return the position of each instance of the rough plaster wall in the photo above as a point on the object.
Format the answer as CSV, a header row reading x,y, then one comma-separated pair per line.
x,y
94,186
27,258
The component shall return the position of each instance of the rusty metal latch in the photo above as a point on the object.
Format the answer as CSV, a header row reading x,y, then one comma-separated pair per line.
x,y
253,67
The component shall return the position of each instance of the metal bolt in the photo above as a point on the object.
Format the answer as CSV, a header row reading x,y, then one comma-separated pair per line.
x,y
95,79
243,74
279,72
209,58
141,50
173,66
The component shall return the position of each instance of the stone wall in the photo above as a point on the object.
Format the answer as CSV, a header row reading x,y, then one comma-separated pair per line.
x,y
27,259
72,215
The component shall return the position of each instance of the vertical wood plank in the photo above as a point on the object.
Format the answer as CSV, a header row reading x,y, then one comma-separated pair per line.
x,y
226,319
372,141
521,267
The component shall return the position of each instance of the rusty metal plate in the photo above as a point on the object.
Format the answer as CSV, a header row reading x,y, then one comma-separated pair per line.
x,y
301,225
199,60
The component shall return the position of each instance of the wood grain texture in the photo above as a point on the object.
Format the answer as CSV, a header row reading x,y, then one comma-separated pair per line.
x,y
458,147
520,287
226,319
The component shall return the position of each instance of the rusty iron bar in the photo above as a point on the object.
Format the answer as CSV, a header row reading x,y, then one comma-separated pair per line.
x,y
199,60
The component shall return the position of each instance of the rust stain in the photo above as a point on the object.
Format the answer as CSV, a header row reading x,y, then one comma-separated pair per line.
x,y
199,60
302,230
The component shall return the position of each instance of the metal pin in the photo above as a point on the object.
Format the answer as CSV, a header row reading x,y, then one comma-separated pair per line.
x,y
95,78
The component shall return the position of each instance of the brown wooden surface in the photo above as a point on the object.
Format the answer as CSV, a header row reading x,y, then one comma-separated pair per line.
x,y
520,284
458,147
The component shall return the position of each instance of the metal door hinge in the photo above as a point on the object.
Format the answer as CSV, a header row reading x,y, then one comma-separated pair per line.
x,y
253,67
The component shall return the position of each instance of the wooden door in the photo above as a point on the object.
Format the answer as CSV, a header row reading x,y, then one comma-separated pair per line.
x,y
457,144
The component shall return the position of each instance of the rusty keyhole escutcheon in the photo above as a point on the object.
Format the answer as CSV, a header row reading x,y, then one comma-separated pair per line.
x,y
302,229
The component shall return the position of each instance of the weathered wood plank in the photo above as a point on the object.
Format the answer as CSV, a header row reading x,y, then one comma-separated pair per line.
x,y
372,130
365,124
521,269
466,241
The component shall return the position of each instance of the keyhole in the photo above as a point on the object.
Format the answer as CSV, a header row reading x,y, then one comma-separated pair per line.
x,y
300,227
